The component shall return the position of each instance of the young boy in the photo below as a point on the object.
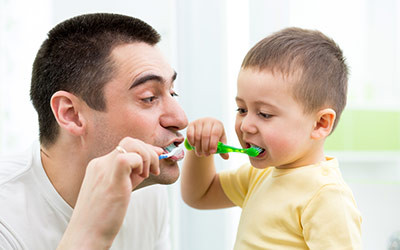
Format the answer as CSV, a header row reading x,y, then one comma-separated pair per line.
x,y
291,91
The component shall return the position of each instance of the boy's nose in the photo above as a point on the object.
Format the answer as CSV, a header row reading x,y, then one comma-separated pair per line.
x,y
248,125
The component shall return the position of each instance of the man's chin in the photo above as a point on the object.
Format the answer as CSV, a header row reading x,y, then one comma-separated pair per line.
x,y
169,174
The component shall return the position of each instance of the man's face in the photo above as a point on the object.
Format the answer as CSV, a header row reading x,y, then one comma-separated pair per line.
x,y
140,103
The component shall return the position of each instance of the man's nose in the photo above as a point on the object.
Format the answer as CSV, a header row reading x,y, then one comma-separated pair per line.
x,y
173,115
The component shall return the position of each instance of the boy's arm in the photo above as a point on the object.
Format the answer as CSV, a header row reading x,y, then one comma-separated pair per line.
x,y
200,185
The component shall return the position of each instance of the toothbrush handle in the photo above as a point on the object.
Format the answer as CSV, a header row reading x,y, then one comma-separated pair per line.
x,y
221,148
187,145
163,156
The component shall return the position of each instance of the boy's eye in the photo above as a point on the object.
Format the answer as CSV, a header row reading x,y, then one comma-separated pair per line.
x,y
264,115
174,94
241,111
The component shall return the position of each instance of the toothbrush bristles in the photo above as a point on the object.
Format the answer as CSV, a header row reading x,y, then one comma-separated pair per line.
x,y
174,152
254,151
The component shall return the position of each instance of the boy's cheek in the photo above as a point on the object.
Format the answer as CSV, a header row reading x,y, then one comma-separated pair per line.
x,y
279,143
238,131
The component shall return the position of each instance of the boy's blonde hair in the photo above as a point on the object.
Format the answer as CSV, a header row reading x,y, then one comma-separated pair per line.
x,y
316,61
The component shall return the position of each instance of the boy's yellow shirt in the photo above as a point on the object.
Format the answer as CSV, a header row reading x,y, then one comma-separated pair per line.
x,y
309,207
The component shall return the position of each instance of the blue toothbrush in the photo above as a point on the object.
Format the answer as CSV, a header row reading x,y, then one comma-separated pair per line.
x,y
174,152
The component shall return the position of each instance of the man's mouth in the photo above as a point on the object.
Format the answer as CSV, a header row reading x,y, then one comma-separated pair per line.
x,y
176,157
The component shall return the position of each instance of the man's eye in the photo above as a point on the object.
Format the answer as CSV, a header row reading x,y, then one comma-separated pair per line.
x,y
149,99
241,111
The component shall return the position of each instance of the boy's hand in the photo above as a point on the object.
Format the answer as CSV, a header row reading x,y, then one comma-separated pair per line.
x,y
204,134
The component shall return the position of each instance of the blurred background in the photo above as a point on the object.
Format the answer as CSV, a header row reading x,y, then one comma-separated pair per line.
x,y
205,41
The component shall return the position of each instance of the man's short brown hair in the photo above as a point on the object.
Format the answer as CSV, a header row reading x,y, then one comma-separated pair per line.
x,y
76,57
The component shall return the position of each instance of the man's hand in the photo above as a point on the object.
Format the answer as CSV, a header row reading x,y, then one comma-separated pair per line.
x,y
105,193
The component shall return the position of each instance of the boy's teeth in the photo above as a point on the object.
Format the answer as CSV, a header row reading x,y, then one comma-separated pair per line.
x,y
260,149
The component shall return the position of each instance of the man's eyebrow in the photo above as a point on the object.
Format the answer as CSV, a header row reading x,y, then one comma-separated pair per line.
x,y
151,77
140,80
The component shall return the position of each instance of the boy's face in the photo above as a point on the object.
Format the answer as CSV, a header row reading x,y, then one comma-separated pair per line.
x,y
270,118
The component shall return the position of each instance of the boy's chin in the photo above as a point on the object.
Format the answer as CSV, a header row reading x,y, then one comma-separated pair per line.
x,y
258,163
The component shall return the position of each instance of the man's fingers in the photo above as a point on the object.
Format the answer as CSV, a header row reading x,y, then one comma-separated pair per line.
x,y
155,167
127,163
148,154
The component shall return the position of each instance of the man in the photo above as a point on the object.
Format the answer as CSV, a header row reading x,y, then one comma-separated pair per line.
x,y
105,101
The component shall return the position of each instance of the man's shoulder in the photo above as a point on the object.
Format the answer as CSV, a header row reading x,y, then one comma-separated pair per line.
x,y
15,170
14,166
15,177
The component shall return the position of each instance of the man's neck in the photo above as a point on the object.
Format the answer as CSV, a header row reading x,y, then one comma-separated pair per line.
x,y
65,169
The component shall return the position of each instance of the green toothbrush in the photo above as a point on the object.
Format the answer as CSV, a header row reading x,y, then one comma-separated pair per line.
x,y
222,149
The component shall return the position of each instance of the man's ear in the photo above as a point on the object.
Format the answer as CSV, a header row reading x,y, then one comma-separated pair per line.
x,y
325,119
67,109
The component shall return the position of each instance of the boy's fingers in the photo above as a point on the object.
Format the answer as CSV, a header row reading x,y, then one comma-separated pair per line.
x,y
223,138
190,134
198,129
214,139
204,134
205,143
225,156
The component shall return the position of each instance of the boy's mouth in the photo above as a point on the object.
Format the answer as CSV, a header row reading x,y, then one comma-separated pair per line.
x,y
258,148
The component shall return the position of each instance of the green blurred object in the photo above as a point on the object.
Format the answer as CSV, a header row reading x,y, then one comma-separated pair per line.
x,y
223,149
366,130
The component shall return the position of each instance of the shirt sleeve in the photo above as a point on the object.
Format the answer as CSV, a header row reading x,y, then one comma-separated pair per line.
x,y
7,240
235,183
331,220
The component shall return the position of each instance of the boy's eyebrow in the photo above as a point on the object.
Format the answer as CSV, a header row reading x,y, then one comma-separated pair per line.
x,y
238,99
151,77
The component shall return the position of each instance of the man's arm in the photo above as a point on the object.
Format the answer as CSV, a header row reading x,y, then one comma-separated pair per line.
x,y
105,194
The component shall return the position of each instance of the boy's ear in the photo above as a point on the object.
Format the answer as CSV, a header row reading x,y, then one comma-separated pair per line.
x,y
66,108
323,123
